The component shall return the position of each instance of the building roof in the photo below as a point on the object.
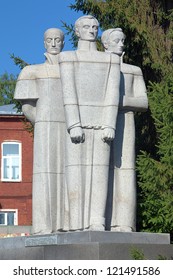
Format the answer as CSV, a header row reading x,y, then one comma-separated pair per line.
x,y
9,110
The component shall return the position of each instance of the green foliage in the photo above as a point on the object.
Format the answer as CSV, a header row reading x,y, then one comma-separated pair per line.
x,y
18,61
148,26
137,254
70,30
156,174
161,105
162,258
7,86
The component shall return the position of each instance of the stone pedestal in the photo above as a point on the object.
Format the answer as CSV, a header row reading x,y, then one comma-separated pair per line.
x,y
91,237
88,245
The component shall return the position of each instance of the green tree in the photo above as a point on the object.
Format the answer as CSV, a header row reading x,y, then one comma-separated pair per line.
x,y
7,86
148,26
8,83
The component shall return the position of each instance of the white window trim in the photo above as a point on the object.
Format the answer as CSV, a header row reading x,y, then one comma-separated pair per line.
x,y
20,162
15,216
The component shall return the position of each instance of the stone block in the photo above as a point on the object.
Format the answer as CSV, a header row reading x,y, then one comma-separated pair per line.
x,y
97,236
86,246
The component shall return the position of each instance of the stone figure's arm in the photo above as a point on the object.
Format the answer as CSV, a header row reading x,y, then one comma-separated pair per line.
x,y
29,109
111,100
26,92
70,99
139,101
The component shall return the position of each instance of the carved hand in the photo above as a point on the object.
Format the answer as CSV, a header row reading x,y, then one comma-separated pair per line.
x,y
77,135
108,134
29,110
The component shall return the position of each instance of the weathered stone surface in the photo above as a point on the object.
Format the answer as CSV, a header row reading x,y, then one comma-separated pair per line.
x,y
86,246
121,208
39,90
97,236
90,83
82,105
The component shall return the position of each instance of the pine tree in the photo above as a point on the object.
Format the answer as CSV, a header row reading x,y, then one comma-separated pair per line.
x,y
148,26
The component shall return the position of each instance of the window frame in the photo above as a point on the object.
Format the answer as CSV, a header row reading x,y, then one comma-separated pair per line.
x,y
10,157
5,212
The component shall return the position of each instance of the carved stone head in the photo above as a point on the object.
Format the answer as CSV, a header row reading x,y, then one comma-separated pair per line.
x,y
86,28
113,40
53,40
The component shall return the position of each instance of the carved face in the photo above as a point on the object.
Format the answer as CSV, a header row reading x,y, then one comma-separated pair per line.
x,y
115,43
53,42
87,30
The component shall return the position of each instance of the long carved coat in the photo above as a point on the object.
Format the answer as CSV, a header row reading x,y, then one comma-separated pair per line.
x,y
122,194
90,83
41,84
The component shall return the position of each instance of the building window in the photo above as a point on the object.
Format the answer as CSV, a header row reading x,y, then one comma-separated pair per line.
x,y
8,217
11,161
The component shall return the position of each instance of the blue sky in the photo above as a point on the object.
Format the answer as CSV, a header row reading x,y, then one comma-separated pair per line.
x,y
22,25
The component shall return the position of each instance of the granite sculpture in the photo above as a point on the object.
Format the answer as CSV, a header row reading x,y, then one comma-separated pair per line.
x,y
82,105
133,97
90,84
39,90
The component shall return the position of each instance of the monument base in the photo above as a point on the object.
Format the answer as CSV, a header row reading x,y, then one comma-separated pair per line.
x,y
87,245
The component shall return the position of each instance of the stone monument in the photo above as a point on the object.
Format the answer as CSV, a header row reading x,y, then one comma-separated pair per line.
x,y
90,84
82,106
39,90
133,97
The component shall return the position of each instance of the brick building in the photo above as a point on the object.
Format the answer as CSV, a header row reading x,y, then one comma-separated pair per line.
x,y
16,150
